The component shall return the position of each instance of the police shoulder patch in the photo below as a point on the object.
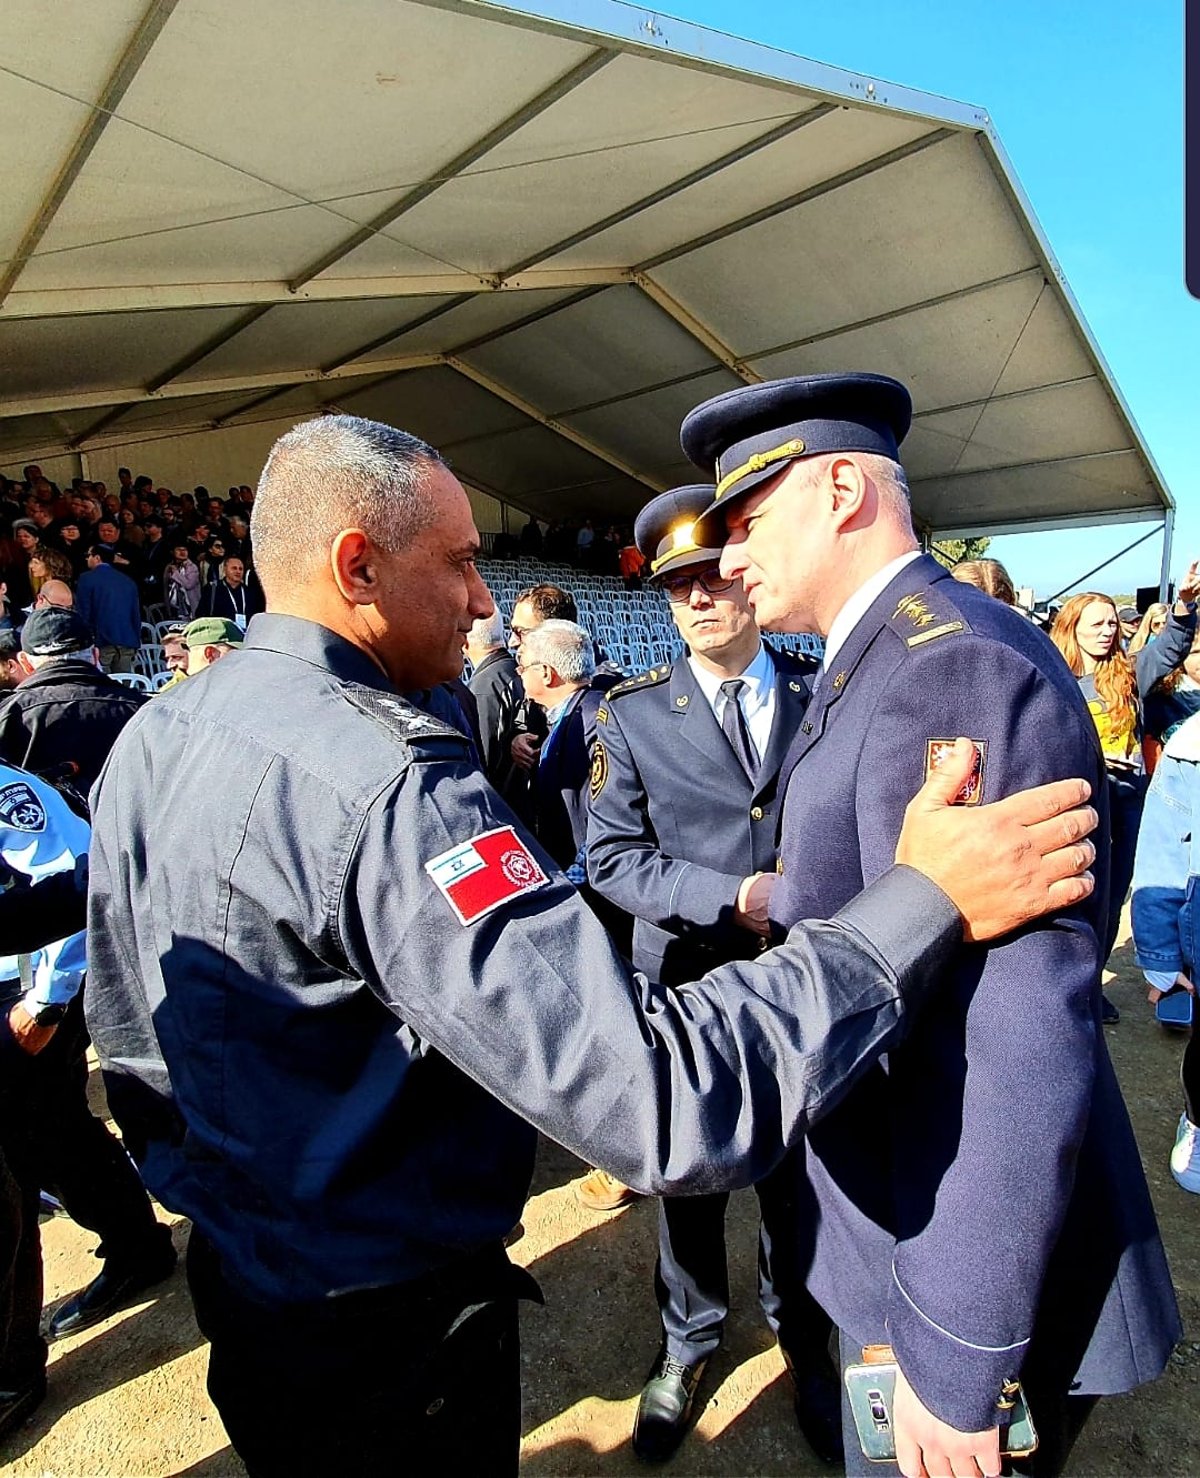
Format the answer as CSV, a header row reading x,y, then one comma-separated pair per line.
x,y
642,680
21,807
400,717
599,773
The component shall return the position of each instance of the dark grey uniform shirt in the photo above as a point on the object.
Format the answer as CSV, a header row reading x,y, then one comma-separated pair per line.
x,y
317,1059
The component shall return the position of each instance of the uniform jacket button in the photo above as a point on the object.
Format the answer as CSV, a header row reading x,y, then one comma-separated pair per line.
x,y
756,813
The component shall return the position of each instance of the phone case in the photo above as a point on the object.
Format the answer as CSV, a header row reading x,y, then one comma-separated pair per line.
x,y
1175,1008
871,1388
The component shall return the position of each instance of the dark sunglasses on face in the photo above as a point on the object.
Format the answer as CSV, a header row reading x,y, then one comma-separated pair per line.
x,y
678,588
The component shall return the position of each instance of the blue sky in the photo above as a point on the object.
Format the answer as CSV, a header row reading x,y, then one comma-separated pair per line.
x,y
1088,102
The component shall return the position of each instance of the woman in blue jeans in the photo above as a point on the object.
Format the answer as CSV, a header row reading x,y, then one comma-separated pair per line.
x,y
1166,913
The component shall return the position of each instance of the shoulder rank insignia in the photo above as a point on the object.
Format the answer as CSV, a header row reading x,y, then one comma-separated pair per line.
x,y
918,620
649,679
401,718
602,714
599,775
937,751
914,609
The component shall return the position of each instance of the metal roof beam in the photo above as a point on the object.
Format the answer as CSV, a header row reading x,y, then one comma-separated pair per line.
x,y
656,197
801,197
155,297
568,433
693,327
148,29
548,311
1034,466
471,155
189,389
956,295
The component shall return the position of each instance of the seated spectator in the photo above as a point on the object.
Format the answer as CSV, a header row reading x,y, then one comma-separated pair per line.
x,y
211,562
156,551
108,603
131,531
988,575
208,639
48,564
11,671
1152,624
181,581
231,596
65,716
70,536
175,655
54,593
238,542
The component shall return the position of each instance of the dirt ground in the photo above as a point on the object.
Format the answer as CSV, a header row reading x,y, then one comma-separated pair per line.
x,y
127,1397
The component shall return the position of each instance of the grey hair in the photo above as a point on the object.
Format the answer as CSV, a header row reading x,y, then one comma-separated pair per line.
x,y
565,646
888,476
488,631
335,473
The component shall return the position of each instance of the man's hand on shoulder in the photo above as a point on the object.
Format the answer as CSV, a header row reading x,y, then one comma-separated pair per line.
x,y
1004,864
927,1446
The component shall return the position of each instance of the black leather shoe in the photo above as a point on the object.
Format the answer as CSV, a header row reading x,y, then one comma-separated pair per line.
x,y
1110,1013
665,1408
120,1280
817,1402
18,1406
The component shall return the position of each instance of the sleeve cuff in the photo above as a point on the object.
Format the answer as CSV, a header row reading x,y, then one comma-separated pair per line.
x,y
910,923
959,1382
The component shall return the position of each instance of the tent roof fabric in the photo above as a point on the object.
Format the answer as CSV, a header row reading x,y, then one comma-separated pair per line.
x,y
534,237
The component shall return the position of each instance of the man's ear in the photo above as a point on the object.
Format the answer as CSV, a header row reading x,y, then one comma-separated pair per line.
x,y
850,488
25,664
352,560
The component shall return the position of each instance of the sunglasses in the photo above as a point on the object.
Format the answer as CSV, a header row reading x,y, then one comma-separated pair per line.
x,y
678,588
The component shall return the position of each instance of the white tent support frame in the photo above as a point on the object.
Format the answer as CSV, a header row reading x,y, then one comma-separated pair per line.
x,y
971,471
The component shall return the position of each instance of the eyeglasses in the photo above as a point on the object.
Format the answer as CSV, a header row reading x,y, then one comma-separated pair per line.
x,y
678,588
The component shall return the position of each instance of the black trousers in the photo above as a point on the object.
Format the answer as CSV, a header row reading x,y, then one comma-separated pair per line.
x,y
22,1348
417,1378
50,1138
691,1278
50,1134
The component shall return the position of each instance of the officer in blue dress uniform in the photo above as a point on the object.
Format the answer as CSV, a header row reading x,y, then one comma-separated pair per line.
x,y
982,1204
682,834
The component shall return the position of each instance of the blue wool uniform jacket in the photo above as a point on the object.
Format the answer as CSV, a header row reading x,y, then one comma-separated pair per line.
x,y
676,823
560,781
981,1199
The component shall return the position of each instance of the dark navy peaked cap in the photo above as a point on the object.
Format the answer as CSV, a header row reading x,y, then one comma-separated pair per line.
x,y
750,434
664,529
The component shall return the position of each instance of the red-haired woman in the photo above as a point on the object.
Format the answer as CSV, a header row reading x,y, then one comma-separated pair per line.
x,y
1086,631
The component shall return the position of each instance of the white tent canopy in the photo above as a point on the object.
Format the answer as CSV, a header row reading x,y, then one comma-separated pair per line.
x,y
536,239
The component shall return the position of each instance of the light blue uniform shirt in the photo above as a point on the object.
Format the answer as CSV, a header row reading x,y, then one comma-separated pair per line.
x,y
41,835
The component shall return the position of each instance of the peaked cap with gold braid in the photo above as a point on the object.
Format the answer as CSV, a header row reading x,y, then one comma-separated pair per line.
x,y
663,531
750,434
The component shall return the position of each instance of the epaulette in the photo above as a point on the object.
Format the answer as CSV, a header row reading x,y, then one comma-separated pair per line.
x,y
400,718
642,680
925,616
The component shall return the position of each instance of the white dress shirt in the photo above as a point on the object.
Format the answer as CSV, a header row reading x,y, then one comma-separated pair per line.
x,y
757,697
860,603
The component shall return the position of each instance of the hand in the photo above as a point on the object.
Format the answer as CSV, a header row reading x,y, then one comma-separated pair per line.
x,y
27,1034
1189,586
753,899
1004,864
1154,996
927,1446
524,750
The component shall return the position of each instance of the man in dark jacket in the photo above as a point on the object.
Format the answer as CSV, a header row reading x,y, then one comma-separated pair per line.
x,y
65,716
108,602
493,675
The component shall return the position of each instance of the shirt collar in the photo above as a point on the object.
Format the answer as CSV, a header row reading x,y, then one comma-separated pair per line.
x,y
759,678
861,601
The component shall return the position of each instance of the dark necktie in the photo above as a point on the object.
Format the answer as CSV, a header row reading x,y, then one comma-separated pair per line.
x,y
733,724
